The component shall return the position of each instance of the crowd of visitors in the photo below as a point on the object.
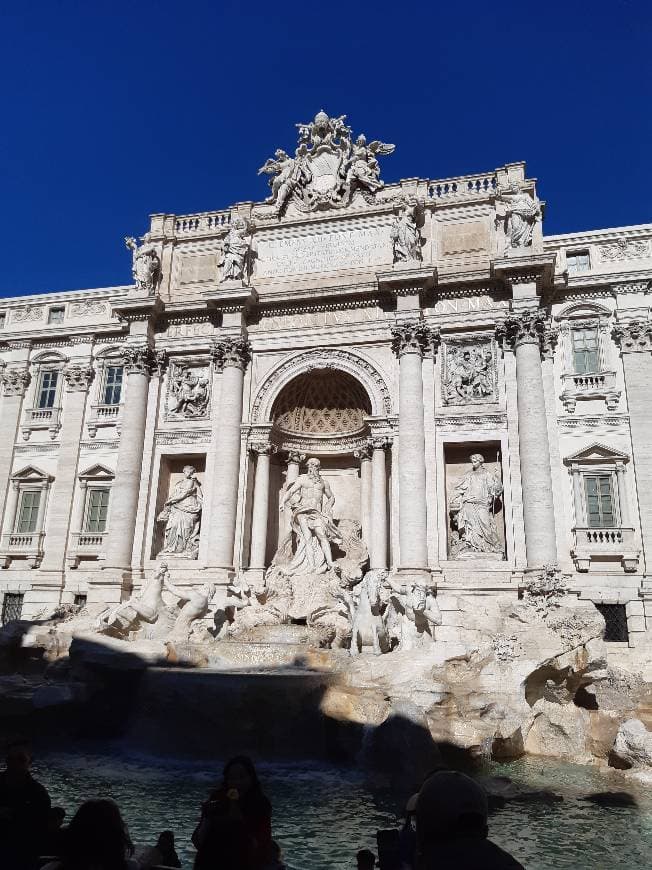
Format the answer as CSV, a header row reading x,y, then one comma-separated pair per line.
x,y
445,828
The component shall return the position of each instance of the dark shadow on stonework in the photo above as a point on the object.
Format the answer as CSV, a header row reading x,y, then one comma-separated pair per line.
x,y
272,713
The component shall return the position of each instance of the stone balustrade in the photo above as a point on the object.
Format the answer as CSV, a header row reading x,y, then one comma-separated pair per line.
x,y
598,543
23,546
465,185
41,418
593,385
87,545
205,223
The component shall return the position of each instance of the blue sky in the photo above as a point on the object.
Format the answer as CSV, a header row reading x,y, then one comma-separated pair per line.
x,y
113,110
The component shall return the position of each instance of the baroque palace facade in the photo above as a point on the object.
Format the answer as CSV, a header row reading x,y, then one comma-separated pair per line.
x,y
477,395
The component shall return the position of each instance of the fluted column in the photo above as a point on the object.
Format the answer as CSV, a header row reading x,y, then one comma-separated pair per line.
x,y
634,339
232,355
525,333
363,455
410,341
139,362
77,379
378,549
15,381
260,512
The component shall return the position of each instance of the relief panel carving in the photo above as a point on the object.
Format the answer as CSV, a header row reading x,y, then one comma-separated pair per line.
x,y
188,393
469,372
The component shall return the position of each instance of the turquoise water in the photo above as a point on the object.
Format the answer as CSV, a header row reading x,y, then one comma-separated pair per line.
x,y
323,815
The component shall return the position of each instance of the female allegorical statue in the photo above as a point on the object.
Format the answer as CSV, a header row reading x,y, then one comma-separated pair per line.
x,y
473,505
182,516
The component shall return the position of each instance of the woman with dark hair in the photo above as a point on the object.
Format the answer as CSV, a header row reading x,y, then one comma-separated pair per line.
x,y
235,829
96,839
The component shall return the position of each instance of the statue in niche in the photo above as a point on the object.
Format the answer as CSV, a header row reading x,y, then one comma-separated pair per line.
x,y
145,265
522,211
188,392
311,500
473,505
468,374
182,517
405,232
235,249
412,615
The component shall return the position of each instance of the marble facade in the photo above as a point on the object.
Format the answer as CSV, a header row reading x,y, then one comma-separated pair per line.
x,y
393,331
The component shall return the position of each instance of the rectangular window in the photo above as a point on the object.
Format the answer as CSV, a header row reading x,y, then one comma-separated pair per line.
x,y
585,349
48,389
577,261
12,606
600,512
80,599
3,320
28,511
55,315
615,619
113,385
97,509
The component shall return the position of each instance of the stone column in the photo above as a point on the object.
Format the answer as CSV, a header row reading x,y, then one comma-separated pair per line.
x,y
14,382
232,355
366,505
260,513
577,495
139,361
526,333
634,338
378,549
623,496
410,341
77,379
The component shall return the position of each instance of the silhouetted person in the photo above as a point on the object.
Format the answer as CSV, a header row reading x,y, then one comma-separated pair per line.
x,y
451,819
408,835
54,834
96,839
366,859
24,808
162,853
235,830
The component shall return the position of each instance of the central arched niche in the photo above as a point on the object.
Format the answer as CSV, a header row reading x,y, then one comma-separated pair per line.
x,y
322,412
322,402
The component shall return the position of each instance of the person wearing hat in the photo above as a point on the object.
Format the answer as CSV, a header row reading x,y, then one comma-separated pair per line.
x,y
452,832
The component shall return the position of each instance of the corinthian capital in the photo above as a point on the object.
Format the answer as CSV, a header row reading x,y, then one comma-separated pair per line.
x,y
634,336
414,337
527,328
263,448
78,377
231,352
15,381
139,359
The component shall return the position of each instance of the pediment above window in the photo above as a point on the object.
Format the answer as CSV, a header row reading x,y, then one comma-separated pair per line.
x,y
596,453
31,474
97,472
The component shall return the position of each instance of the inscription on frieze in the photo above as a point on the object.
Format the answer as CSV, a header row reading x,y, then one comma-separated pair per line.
x,y
465,304
347,248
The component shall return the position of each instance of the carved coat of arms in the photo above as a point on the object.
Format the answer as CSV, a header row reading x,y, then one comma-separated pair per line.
x,y
328,167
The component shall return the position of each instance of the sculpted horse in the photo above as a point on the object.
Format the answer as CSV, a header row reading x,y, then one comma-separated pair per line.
x,y
368,626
